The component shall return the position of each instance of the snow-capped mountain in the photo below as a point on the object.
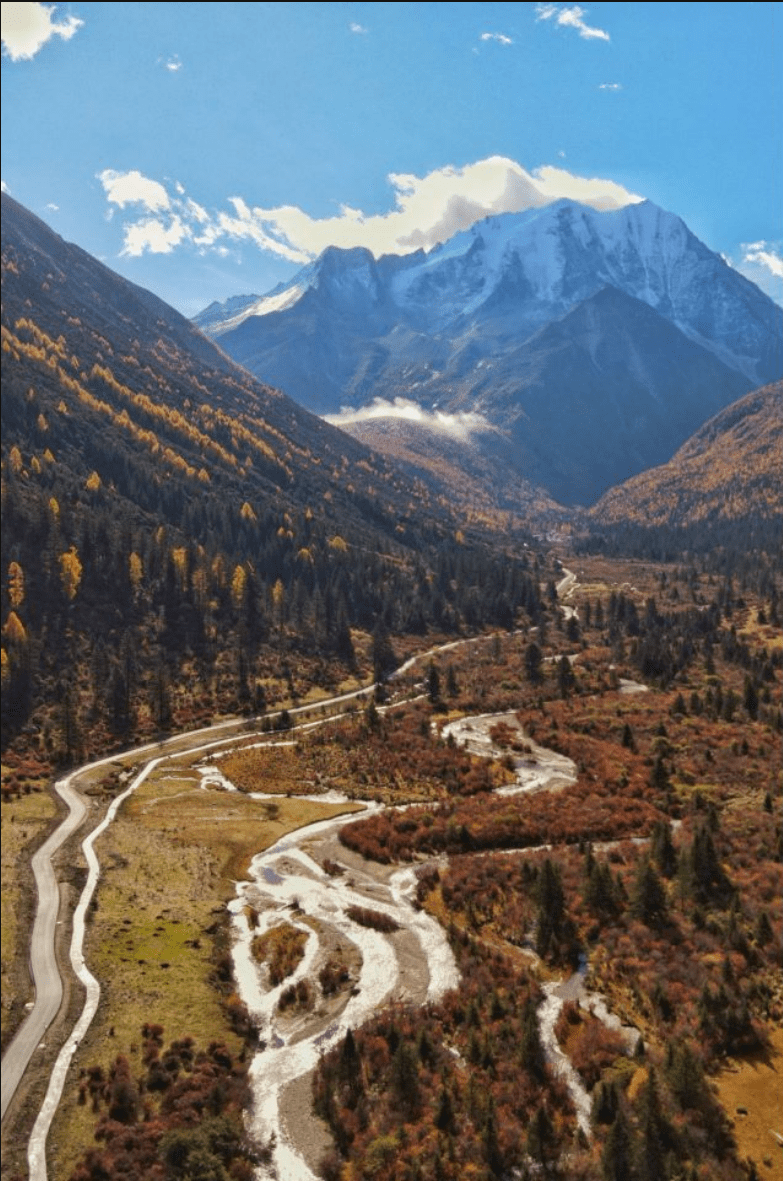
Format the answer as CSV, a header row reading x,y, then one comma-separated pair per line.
x,y
623,320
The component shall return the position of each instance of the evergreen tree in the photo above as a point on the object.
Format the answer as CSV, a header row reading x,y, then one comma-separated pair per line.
x,y
605,1103
652,1159
383,658
541,1137
444,1115
492,1153
751,699
565,677
662,849
531,1052
533,661
433,683
617,1157
648,897
405,1079
551,908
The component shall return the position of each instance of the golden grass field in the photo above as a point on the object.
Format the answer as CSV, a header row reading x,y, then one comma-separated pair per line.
x,y
25,821
755,1084
169,861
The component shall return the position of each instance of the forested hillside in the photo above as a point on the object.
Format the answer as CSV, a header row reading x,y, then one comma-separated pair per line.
x,y
721,487
180,540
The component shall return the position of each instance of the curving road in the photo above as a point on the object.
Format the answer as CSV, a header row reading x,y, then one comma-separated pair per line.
x,y
45,973
46,976
47,980
43,964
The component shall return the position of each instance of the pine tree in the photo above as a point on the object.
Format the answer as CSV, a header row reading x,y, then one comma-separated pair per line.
x,y
617,1156
551,908
541,1136
433,684
531,1052
405,1079
565,677
444,1115
652,1162
648,897
662,849
533,660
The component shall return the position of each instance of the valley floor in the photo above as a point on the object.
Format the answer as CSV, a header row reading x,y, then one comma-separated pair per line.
x,y
694,755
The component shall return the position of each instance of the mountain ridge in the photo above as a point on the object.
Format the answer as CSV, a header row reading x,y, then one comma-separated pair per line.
x,y
639,249
179,537
472,325
726,472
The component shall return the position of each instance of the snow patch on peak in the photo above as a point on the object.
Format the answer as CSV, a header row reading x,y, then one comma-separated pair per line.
x,y
264,306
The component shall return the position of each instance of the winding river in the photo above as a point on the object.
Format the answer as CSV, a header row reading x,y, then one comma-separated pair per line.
x,y
288,882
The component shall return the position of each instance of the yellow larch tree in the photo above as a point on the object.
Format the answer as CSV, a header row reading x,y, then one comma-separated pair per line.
x,y
70,572
238,586
135,571
15,585
14,630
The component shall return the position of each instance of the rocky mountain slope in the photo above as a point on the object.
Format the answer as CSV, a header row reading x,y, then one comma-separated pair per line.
x,y
597,342
179,539
111,379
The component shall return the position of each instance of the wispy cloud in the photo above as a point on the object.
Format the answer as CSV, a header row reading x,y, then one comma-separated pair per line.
x,y
501,38
765,254
354,27
4,187
610,86
52,207
460,426
571,17
762,263
425,210
173,63
27,28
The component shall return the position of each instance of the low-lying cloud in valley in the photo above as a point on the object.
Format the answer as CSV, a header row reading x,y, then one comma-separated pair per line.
x,y
458,426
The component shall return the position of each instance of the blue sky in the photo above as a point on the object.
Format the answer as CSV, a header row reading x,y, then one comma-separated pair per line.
x,y
205,150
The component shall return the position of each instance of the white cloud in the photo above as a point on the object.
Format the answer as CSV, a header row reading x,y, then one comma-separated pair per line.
x,y
27,28
501,38
570,18
4,187
173,63
425,210
250,224
129,188
54,208
154,237
555,183
764,254
762,263
459,426
610,86
357,28
196,211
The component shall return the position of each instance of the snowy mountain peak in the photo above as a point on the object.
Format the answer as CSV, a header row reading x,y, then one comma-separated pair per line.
x,y
509,275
